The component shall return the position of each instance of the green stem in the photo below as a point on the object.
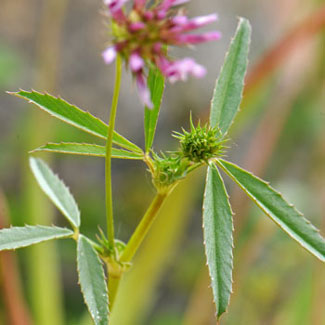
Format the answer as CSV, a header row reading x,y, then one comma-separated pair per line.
x,y
143,227
108,158
113,284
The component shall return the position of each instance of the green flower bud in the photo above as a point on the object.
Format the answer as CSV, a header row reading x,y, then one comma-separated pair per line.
x,y
201,143
168,170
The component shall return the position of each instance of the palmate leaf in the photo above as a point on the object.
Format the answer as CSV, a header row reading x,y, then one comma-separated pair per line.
x,y
18,237
278,209
87,149
229,87
92,281
218,239
156,83
74,116
56,190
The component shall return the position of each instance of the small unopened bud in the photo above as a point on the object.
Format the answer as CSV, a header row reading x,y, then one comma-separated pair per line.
x,y
201,143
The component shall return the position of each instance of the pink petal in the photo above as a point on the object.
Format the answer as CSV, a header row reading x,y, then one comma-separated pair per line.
x,y
163,64
180,20
114,5
181,69
134,27
161,14
211,36
179,2
198,38
198,71
167,4
148,15
139,4
157,48
119,16
184,24
203,20
200,21
144,92
136,62
109,55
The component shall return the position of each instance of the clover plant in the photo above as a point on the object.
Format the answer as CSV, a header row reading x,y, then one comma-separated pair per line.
x,y
141,38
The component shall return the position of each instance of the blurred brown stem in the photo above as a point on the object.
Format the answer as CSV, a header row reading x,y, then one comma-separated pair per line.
x,y
16,310
282,50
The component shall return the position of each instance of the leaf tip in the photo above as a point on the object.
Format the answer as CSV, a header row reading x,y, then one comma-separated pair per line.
x,y
11,92
244,21
16,93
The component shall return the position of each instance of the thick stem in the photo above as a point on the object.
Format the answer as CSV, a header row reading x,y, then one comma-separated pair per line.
x,y
143,227
113,284
108,159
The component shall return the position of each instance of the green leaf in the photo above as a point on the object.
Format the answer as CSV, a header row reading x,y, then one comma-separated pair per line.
x,y
74,116
87,150
229,87
156,83
218,227
92,281
55,189
278,209
17,237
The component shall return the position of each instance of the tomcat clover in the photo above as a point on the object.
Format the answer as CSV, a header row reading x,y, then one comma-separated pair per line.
x,y
202,146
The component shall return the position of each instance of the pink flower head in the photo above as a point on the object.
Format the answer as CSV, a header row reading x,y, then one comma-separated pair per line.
x,y
142,35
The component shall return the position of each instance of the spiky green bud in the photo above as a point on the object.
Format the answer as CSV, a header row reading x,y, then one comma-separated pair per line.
x,y
168,169
201,143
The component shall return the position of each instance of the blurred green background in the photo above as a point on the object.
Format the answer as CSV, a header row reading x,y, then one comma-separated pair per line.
x,y
55,46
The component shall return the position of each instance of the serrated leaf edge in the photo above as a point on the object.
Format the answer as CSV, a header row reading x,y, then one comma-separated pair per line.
x,y
241,21
71,221
17,94
315,230
68,235
232,245
46,94
78,271
44,149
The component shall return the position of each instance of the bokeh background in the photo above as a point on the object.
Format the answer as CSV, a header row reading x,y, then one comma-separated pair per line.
x,y
55,46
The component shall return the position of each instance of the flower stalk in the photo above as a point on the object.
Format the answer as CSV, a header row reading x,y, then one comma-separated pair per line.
x,y
134,243
143,227
108,157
